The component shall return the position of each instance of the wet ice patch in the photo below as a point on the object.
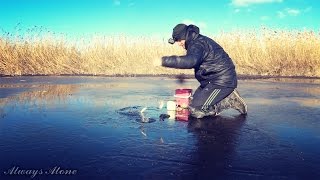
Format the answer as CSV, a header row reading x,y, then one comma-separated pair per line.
x,y
140,114
130,111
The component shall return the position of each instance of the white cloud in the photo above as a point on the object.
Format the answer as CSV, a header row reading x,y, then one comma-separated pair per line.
x,y
116,2
264,18
131,3
245,3
239,10
308,9
200,24
281,14
292,12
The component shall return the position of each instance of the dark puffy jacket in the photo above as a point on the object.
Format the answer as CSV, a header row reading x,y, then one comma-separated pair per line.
x,y
210,62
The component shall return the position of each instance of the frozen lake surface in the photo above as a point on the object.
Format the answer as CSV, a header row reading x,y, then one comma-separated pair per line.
x,y
72,128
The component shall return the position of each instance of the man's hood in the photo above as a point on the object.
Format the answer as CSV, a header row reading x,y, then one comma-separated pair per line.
x,y
192,33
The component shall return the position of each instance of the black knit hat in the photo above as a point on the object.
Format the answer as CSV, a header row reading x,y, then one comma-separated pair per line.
x,y
179,33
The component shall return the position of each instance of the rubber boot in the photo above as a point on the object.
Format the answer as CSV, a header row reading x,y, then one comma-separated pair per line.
x,y
196,113
234,101
200,114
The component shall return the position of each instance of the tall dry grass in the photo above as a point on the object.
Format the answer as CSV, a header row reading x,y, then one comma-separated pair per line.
x,y
270,52
260,52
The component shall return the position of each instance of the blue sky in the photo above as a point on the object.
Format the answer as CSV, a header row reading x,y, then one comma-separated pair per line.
x,y
156,17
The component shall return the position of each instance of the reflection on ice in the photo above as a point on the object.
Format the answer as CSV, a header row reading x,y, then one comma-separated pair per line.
x,y
42,94
309,102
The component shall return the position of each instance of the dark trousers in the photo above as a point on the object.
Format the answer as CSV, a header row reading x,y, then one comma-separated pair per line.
x,y
204,98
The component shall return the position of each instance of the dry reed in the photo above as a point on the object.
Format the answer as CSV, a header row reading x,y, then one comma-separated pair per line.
x,y
262,52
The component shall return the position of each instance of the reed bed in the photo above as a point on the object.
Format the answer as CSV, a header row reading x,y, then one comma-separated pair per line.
x,y
256,52
42,96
